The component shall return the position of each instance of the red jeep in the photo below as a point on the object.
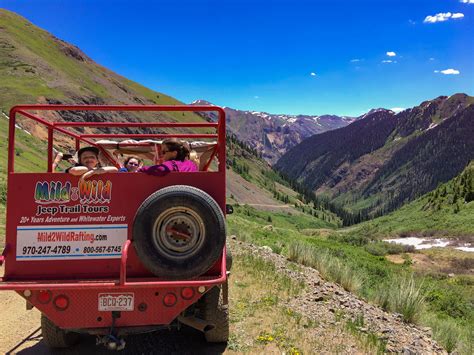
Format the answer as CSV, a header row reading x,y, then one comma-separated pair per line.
x,y
119,253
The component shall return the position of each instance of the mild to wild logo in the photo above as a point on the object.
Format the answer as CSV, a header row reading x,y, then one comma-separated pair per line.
x,y
86,192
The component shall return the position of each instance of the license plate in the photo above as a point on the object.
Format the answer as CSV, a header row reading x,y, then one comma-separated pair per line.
x,y
116,301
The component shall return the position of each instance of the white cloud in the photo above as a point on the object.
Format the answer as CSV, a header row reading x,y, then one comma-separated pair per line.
x,y
355,60
397,109
411,22
448,71
313,74
391,54
431,59
389,61
467,1
442,16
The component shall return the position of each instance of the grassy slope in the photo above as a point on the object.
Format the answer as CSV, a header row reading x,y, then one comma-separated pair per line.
x,y
33,65
433,213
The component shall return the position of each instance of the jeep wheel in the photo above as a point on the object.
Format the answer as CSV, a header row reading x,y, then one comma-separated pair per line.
x,y
179,232
55,337
213,310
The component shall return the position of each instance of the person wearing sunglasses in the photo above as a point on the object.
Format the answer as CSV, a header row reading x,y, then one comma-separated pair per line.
x,y
173,156
131,165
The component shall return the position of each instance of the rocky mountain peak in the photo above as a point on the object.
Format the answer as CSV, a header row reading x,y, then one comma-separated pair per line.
x,y
272,135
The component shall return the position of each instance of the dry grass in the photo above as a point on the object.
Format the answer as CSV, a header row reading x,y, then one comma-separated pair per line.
x,y
330,267
407,299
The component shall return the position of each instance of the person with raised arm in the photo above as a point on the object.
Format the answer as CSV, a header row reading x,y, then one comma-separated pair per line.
x,y
89,164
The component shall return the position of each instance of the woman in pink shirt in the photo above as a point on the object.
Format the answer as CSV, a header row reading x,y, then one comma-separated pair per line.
x,y
174,156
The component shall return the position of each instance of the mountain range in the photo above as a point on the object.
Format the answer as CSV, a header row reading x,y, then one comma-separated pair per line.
x,y
384,160
272,135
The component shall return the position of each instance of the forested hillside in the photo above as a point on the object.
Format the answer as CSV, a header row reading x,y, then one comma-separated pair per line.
x,y
446,211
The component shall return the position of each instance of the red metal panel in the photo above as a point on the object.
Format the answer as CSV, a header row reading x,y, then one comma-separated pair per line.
x,y
83,308
128,191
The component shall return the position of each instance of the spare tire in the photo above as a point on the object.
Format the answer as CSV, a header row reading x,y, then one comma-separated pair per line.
x,y
179,232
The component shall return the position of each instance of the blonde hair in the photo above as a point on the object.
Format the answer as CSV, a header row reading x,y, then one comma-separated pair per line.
x,y
193,156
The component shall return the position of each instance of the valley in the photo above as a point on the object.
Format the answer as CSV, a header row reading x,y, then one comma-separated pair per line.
x,y
312,195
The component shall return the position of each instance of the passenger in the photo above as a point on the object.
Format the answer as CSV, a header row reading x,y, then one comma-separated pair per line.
x,y
174,156
89,164
131,165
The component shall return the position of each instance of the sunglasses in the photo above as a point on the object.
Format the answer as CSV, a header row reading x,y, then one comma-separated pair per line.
x,y
165,151
132,164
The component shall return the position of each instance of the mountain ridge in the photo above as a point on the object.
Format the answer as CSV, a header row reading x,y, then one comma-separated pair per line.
x,y
362,166
272,135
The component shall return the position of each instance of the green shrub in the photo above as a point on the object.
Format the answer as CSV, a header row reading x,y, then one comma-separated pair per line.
x,y
377,249
351,238
381,248
277,248
348,278
449,302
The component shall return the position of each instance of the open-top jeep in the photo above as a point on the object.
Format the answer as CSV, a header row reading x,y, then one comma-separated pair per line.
x,y
119,253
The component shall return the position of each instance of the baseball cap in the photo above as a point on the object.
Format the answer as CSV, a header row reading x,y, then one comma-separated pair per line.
x,y
95,150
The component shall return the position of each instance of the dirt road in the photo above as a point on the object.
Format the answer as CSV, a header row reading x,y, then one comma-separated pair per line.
x,y
20,334
246,193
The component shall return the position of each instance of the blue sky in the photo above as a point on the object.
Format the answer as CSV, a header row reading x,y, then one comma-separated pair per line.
x,y
259,55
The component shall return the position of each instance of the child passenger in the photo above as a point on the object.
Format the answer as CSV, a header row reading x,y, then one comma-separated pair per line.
x,y
174,156
130,165
89,164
